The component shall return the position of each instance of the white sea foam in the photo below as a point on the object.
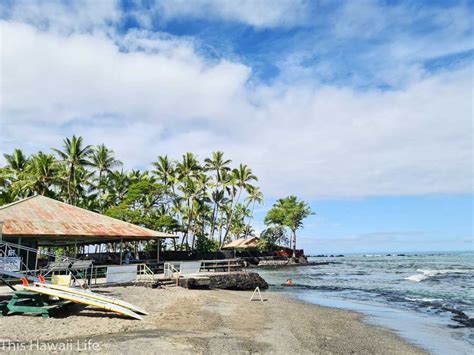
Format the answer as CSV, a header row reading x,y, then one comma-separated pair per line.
x,y
425,299
426,274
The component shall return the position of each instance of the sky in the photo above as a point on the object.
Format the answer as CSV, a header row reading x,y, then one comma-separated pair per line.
x,y
362,108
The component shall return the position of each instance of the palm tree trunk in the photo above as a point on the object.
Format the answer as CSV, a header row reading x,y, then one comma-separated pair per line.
x,y
229,222
100,191
214,220
294,242
69,182
250,217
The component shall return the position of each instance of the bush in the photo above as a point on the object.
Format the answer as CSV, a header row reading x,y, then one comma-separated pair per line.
x,y
205,245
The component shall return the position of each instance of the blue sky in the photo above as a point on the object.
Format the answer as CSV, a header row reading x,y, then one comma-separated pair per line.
x,y
363,108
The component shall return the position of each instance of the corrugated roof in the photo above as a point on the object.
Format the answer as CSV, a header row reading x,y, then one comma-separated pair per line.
x,y
242,243
41,216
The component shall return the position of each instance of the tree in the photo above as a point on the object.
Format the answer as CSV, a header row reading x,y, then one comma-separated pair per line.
x,y
242,176
40,174
255,196
17,161
103,160
209,200
272,237
74,155
219,166
16,165
289,212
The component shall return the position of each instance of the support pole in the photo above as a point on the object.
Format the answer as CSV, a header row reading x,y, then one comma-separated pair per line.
x,y
121,250
158,245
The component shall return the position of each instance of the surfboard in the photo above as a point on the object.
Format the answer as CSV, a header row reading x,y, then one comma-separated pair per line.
x,y
95,296
107,306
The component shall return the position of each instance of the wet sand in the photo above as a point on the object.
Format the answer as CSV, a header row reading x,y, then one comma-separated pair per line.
x,y
207,321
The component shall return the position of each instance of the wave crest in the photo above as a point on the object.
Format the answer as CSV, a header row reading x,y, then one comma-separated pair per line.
x,y
426,274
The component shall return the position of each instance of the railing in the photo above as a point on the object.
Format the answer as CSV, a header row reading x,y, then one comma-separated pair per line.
x,y
19,259
226,265
171,271
144,270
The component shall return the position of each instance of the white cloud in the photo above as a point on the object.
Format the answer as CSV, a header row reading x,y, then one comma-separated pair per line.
x,y
63,16
160,97
257,13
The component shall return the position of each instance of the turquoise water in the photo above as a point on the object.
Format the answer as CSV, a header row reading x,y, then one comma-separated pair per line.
x,y
431,295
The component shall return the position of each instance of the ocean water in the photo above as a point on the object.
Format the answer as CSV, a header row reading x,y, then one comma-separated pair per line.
x,y
426,298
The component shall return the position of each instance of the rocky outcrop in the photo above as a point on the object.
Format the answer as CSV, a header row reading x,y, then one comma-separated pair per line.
x,y
283,262
225,280
238,281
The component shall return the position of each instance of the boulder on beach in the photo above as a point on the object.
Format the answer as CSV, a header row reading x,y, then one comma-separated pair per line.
x,y
225,280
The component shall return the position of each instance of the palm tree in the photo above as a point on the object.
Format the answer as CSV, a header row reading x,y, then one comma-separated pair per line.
x,y
165,170
103,160
74,155
16,162
117,184
289,212
219,166
255,196
190,190
40,174
243,176
188,167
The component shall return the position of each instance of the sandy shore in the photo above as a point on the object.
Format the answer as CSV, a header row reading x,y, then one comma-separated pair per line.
x,y
190,321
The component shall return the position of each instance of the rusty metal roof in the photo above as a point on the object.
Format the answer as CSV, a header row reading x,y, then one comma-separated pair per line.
x,y
242,243
40,216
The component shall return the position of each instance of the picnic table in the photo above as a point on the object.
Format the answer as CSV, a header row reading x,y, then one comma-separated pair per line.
x,y
28,302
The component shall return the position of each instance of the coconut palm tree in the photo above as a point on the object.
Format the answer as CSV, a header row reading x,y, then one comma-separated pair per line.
x,y
74,155
16,165
242,176
103,160
289,212
16,162
188,167
40,174
219,166
165,170
255,196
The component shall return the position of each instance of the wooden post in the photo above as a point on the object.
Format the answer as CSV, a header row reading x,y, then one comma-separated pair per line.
x,y
37,257
121,250
75,248
158,245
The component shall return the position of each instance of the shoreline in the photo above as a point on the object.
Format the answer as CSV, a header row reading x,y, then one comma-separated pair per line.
x,y
212,321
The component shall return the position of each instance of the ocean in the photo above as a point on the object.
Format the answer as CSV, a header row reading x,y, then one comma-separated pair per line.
x,y
427,298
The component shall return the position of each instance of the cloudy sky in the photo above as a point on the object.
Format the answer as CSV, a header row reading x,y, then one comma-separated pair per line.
x,y
363,108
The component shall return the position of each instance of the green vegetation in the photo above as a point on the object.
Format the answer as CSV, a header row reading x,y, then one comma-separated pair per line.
x,y
272,238
288,212
207,204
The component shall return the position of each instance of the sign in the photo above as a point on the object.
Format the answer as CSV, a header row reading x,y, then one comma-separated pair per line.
x,y
10,263
119,274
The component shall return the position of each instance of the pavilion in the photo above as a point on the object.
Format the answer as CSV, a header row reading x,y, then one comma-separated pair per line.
x,y
42,221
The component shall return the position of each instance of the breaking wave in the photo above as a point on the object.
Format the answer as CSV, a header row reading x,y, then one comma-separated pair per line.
x,y
426,274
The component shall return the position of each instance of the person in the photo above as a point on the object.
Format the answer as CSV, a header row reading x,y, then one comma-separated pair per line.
x,y
289,282
128,257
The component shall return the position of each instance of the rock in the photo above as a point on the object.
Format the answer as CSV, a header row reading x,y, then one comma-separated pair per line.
x,y
194,282
226,280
